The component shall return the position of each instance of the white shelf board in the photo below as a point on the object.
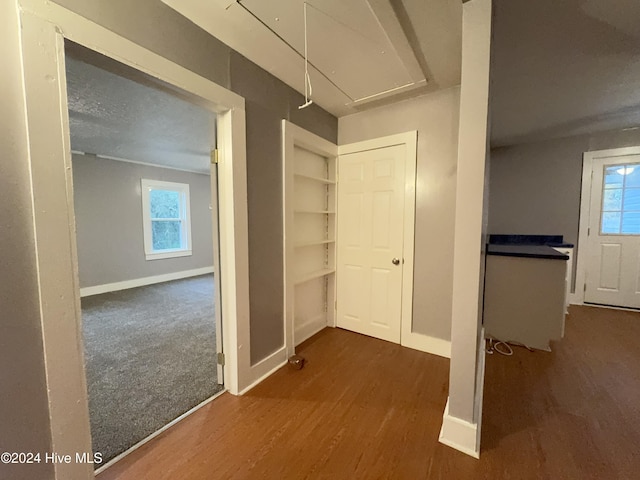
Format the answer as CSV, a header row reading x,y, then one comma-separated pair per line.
x,y
311,244
315,179
326,212
317,274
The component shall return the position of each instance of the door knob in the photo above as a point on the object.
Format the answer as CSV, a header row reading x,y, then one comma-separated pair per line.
x,y
396,261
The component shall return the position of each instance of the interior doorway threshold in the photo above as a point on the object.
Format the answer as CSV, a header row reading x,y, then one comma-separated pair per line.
x,y
114,460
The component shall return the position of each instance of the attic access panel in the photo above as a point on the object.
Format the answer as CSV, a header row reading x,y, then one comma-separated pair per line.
x,y
346,43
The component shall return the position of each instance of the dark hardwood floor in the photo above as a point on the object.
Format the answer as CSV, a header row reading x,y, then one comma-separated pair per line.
x,y
366,409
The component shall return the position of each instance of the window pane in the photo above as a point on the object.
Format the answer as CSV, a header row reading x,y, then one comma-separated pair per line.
x,y
633,175
631,223
166,235
164,204
631,199
612,199
610,222
612,179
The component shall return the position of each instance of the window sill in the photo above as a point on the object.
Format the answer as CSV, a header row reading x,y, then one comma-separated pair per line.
x,y
168,254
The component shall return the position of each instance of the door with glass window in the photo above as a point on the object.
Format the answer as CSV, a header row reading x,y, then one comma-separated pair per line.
x,y
613,249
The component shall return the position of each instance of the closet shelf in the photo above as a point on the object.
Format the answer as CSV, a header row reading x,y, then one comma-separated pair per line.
x,y
315,179
325,212
317,274
315,242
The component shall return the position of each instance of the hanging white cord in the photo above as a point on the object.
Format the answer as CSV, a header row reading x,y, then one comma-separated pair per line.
x,y
307,79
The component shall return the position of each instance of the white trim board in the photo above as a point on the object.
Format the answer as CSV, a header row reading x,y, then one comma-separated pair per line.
x,y
428,344
266,367
588,159
459,434
141,282
137,162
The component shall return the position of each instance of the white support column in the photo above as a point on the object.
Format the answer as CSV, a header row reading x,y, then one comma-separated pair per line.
x,y
462,417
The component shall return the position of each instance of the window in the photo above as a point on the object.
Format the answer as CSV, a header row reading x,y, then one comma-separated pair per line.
x,y
621,200
167,222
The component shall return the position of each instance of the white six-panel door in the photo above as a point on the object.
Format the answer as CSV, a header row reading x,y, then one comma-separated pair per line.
x,y
370,241
613,246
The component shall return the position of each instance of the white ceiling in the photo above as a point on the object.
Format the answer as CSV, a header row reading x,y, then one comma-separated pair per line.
x,y
361,52
564,68
114,116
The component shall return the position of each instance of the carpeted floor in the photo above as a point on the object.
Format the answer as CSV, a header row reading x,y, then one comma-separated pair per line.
x,y
150,357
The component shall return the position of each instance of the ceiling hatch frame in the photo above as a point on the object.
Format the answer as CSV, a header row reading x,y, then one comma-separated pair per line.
x,y
274,43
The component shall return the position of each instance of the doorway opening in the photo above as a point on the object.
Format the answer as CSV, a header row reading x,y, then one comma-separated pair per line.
x,y
146,214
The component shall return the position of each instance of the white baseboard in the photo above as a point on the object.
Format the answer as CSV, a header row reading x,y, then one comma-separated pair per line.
x,y
141,282
574,299
482,357
426,343
308,330
265,368
459,434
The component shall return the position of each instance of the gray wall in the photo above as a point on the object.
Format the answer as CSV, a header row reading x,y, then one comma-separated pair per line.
x,y
535,188
160,29
108,209
435,117
24,409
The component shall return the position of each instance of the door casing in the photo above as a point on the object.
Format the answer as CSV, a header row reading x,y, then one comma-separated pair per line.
x,y
45,26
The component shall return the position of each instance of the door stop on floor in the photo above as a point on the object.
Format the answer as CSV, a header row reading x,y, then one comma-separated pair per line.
x,y
296,362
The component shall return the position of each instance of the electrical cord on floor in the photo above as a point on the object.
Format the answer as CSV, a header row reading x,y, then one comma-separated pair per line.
x,y
494,346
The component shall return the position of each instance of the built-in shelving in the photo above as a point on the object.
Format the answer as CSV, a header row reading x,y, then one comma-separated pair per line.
x,y
317,274
322,212
315,179
310,232
313,243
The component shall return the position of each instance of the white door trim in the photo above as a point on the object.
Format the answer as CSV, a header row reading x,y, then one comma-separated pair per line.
x,y
588,159
294,136
408,338
45,26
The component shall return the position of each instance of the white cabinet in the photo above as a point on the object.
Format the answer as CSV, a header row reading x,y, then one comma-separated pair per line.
x,y
524,300
310,233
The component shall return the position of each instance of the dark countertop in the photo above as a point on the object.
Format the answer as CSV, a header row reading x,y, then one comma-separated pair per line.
x,y
529,251
550,240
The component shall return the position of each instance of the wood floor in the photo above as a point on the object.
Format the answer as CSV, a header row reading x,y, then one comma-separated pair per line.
x,y
367,409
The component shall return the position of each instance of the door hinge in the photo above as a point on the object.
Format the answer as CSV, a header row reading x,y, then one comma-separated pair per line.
x,y
588,231
214,156
584,289
221,359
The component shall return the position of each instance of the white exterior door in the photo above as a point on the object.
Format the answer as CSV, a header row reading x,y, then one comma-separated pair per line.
x,y
613,246
370,241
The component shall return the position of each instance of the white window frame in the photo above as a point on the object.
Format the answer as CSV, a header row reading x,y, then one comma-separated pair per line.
x,y
185,217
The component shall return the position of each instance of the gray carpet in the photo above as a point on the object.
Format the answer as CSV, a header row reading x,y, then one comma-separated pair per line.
x,y
150,357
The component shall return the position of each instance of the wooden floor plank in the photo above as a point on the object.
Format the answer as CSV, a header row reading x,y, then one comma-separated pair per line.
x,y
363,408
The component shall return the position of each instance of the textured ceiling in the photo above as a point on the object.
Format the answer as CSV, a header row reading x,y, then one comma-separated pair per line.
x,y
564,68
114,116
